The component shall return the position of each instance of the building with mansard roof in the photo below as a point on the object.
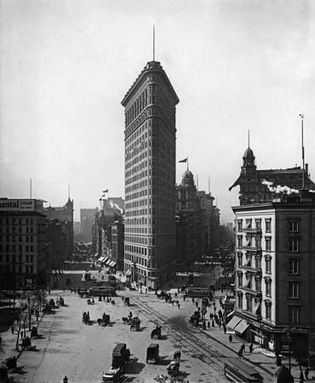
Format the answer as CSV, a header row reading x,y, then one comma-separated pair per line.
x,y
262,185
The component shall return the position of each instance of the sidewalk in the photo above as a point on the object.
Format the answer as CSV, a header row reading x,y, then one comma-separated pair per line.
x,y
9,339
259,357
262,359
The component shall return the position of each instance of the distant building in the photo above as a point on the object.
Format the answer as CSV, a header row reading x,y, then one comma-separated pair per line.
x,y
64,215
150,237
23,243
117,243
275,268
189,239
87,217
197,221
111,212
210,222
262,185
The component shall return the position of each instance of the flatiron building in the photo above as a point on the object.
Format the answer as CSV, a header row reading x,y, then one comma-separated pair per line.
x,y
150,134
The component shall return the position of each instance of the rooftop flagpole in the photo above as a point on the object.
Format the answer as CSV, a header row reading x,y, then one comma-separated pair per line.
x,y
303,157
153,43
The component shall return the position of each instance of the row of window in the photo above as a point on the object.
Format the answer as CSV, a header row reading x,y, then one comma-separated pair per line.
x,y
293,286
16,258
17,238
293,243
293,224
25,269
137,168
138,194
14,221
294,311
16,248
15,229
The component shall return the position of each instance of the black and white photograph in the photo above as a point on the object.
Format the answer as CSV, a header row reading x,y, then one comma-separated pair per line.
x,y
157,191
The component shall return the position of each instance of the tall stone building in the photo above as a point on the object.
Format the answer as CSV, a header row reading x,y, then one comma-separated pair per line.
x,y
150,195
274,269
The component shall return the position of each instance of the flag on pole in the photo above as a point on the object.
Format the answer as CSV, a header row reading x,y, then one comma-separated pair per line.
x,y
184,160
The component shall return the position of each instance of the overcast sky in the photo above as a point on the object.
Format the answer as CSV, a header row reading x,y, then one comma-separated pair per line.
x,y
235,65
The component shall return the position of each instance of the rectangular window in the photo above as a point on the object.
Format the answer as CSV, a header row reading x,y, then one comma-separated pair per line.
x,y
294,245
239,259
240,280
249,303
293,226
248,223
239,225
294,314
294,290
268,265
258,243
239,241
248,241
268,288
240,301
268,310
258,223
268,243
268,225
294,266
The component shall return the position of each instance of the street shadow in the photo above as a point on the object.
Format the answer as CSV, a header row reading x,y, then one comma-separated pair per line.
x,y
164,361
19,370
134,367
32,348
182,375
39,336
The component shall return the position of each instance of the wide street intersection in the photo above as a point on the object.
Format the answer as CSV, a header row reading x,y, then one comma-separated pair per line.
x,y
67,347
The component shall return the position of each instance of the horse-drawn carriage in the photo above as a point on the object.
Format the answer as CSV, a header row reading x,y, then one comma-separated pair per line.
x,y
195,318
104,321
156,333
152,353
120,357
173,368
135,323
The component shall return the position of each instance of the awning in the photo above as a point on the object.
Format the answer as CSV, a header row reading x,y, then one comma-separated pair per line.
x,y
241,327
112,264
233,322
101,259
128,272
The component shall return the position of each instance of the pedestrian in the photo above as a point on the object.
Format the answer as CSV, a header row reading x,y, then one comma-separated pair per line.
x,y
251,347
65,380
212,324
306,372
193,300
230,338
241,350
178,305
184,297
208,324
12,329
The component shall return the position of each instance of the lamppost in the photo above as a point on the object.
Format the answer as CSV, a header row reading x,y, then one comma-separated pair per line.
x,y
288,331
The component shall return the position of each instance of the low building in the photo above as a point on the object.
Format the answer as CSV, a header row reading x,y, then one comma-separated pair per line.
x,y
23,243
